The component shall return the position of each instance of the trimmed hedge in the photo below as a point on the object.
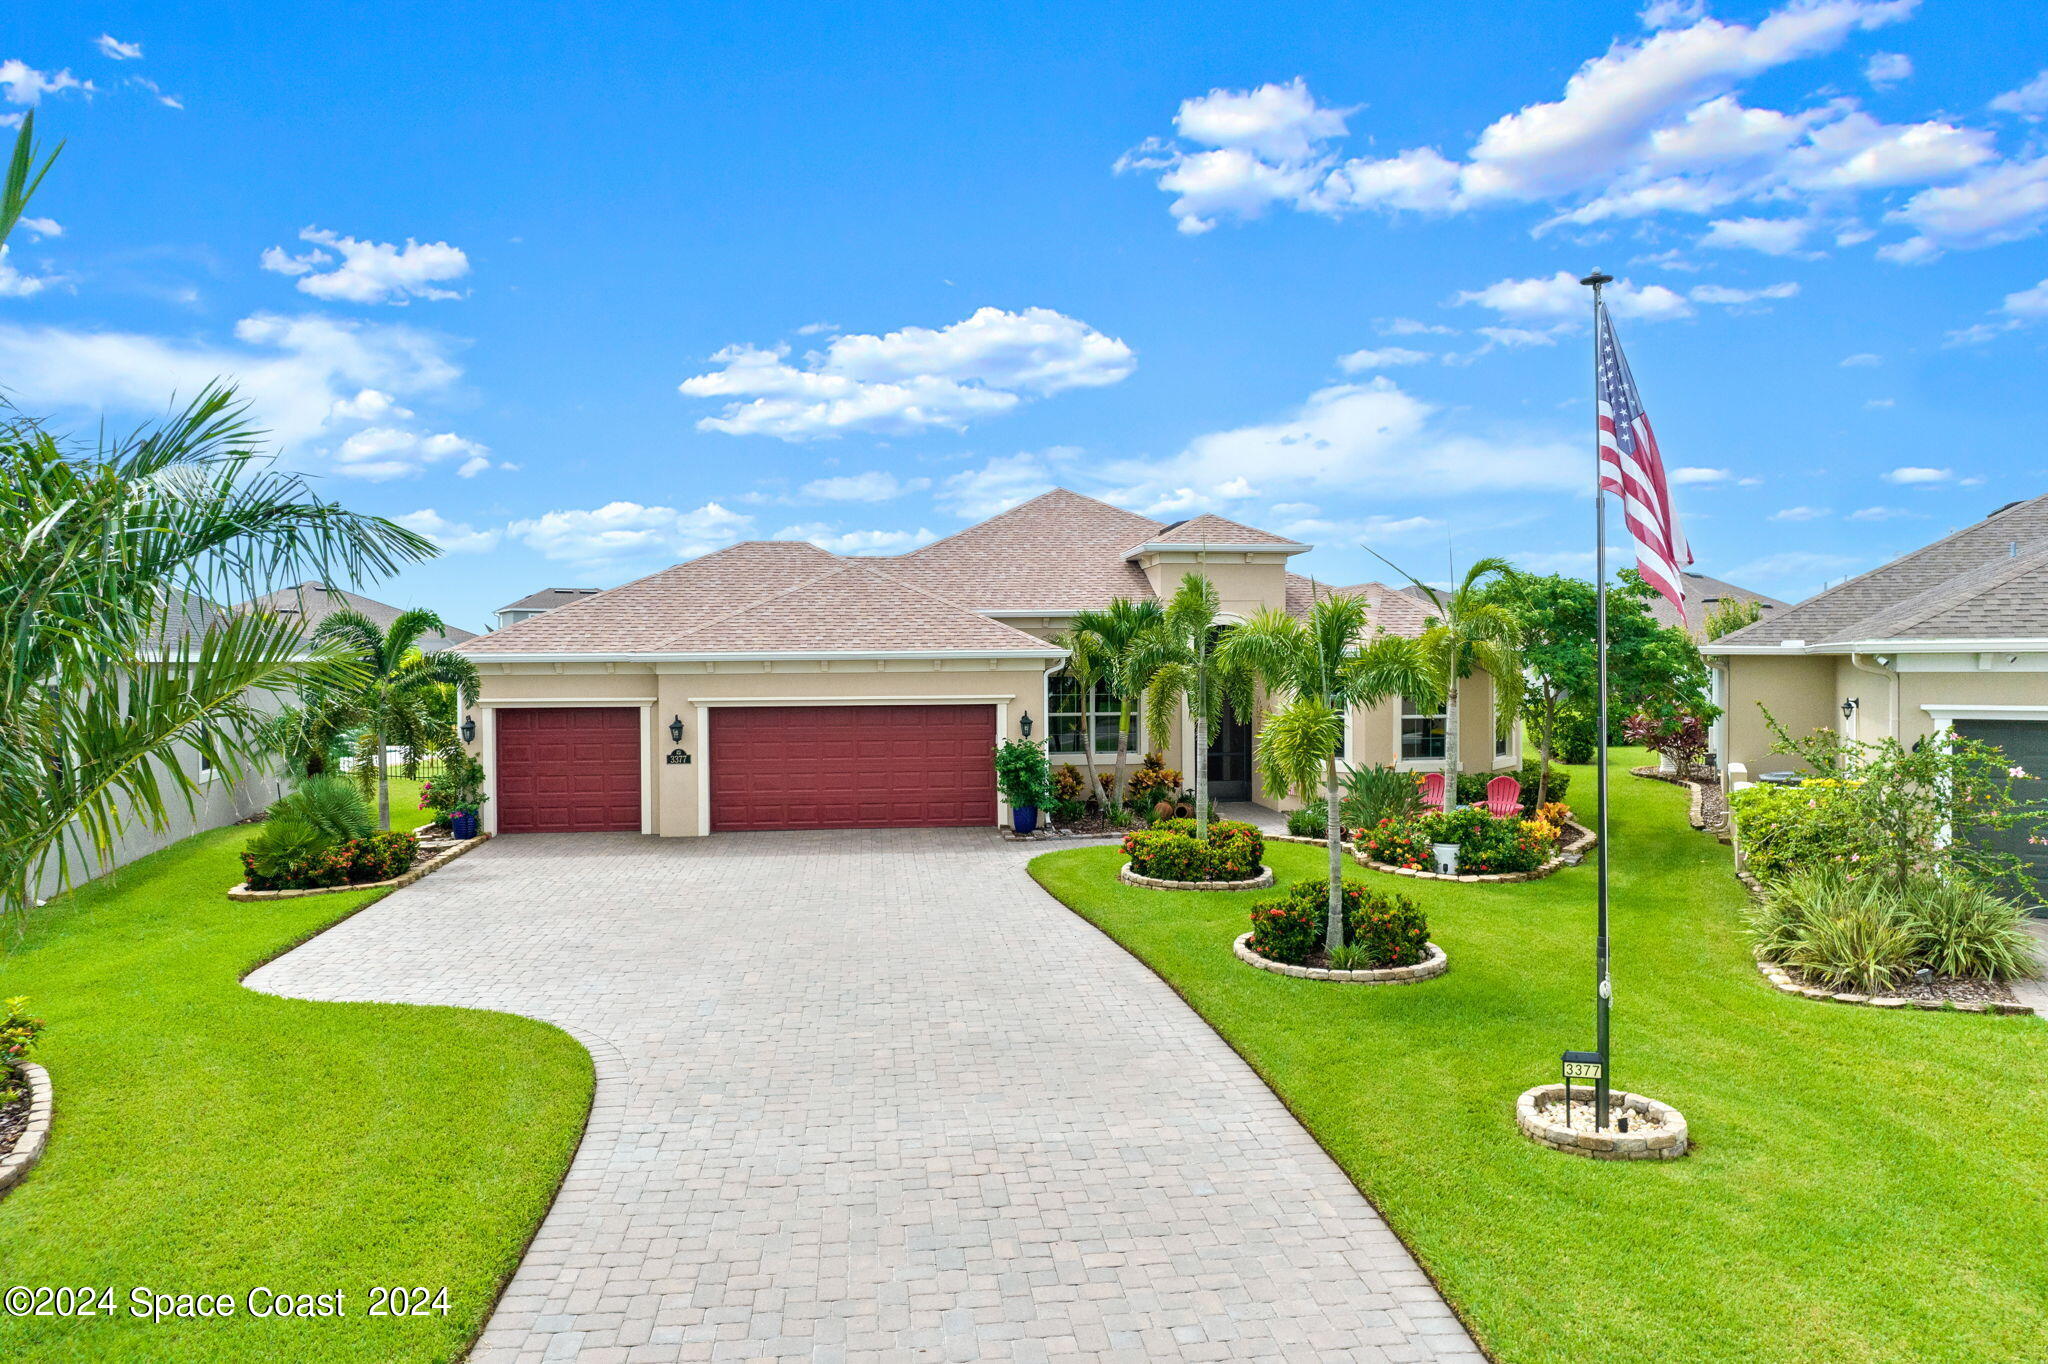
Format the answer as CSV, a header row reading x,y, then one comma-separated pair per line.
x,y
1289,928
1169,851
1784,828
377,857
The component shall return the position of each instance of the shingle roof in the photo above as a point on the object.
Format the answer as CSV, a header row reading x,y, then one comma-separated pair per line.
x,y
314,602
855,607
1701,593
550,597
1209,529
1060,551
1388,609
1988,580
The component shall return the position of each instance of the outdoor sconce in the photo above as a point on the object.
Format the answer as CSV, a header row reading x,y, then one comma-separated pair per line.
x,y
1849,707
469,729
1024,724
675,729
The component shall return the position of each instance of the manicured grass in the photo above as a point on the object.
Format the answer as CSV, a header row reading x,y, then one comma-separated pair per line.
x,y
212,1139
1865,1185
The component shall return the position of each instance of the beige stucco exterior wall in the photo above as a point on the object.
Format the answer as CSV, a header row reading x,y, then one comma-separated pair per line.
x,y
1800,693
673,796
1244,582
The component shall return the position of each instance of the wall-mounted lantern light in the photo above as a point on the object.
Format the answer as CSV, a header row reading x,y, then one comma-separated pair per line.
x,y
1024,724
469,729
675,729
1850,706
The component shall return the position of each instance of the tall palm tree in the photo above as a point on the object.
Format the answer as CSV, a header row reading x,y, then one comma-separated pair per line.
x,y
1118,638
1471,633
1180,657
1317,670
393,692
118,673
1085,667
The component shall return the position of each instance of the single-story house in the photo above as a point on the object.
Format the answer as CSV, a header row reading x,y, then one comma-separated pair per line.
x,y
1703,594
540,603
1952,637
313,602
773,685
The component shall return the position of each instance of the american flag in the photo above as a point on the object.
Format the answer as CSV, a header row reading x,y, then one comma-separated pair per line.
x,y
1631,468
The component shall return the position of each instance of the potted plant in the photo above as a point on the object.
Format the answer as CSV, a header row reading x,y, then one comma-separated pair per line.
x,y
458,793
1025,781
462,824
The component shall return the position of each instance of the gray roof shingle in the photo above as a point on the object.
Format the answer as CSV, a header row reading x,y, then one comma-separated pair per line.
x,y
314,602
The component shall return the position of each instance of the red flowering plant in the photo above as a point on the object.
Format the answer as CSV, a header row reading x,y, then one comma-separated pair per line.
x,y
1681,738
354,861
1289,928
18,1033
1169,851
1395,843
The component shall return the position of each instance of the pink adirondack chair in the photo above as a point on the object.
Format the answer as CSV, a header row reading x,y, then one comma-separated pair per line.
x,y
1432,785
1504,798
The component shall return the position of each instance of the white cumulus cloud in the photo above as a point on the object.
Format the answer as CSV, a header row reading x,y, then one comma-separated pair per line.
x,y
454,537
875,485
1385,357
628,532
1911,474
1561,296
830,538
2030,100
1772,236
1887,68
910,380
369,272
114,48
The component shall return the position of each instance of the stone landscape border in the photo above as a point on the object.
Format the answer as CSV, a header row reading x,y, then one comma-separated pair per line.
x,y
1576,846
28,1147
1670,1143
1259,882
1782,981
1696,791
1430,967
434,863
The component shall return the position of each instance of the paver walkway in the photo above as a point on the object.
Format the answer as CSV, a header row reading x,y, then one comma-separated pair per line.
x,y
877,1096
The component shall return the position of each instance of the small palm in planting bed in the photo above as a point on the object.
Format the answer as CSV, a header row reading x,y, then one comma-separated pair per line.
x,y
1169,851
322,835
1380,930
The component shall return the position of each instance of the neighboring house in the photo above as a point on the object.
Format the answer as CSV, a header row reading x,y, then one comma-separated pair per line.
x,y
314,602
1703,594
1950,637
540,603
773,685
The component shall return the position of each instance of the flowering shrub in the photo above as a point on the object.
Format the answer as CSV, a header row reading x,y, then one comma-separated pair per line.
x,y
18,1033
1151,782
1290,927
1487,845
1786,828
1169,851
375,857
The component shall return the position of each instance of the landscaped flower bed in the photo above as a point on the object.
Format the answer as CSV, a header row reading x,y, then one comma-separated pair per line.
x,y
1386,936
1169,851
1487,845
24,1094
356,861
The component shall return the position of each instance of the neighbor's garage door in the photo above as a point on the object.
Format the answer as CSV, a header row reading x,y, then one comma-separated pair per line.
x,y
568,769
2026,745
852,767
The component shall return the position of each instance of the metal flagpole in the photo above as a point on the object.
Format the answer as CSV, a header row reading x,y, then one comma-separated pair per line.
x,y
1604,989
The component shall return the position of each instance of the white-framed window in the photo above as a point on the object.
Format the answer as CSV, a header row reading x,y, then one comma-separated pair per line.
x,y
1074,717
1422,732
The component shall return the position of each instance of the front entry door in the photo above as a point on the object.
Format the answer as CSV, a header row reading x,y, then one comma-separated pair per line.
x,y
1230,758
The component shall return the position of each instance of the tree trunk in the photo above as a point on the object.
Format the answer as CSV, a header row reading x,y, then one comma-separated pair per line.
x,y
1201,777
1123,751
1333,827
1543,750
1451,747
383,787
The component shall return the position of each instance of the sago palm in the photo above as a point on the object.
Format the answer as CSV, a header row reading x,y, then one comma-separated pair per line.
x,y
392,693
1117,639
1179,655
1472,633
1316,670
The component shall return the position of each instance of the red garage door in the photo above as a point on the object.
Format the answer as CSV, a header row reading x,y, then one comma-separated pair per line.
x,y
568,769
852,767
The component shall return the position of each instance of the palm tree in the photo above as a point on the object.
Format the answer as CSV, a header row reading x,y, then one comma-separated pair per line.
x,y
1117,639
1471,633
393,693
1180,657
1085,662
1319,669
119,673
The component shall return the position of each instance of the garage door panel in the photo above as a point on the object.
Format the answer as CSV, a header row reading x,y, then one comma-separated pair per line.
x,y
852,767
568,769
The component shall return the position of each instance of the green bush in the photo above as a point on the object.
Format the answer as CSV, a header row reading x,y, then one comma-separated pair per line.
x,y
331,805
1472,785
1396,844
18,1033
1022,774
1067,811
1861,944
1374,794
375,857
1855,932
1487,846
1169,851
1310,821
1388,929
1960,930
1783,828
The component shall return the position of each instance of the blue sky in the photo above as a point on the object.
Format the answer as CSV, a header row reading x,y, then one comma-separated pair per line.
x,y
582,295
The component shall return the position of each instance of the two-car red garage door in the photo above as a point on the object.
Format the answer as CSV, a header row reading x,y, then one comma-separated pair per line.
x,y
576,769
852,767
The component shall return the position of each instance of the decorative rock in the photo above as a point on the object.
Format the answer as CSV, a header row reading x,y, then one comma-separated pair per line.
x,y
1259,882
28,1147
1667,1142
1435,964
419,869
1782,980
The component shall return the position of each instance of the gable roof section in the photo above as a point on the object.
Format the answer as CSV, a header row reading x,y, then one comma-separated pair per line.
x,y
550,597
1060,551
1386,609
854,607
1701,593
314,602
1209,529
1987,581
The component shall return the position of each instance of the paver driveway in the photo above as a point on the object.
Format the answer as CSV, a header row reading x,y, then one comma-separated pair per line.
x,y
878,1096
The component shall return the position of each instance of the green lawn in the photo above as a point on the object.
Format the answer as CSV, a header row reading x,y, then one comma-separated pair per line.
x,y
212,1139
1864,1185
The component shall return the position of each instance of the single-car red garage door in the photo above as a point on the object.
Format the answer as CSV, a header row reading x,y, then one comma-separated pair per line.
x,y
852,767
568,769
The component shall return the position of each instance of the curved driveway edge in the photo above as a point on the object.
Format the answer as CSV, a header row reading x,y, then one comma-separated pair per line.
x,y
878,1096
